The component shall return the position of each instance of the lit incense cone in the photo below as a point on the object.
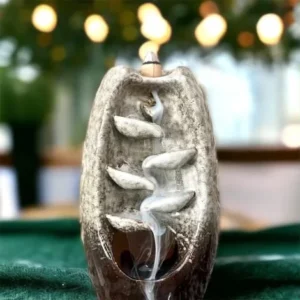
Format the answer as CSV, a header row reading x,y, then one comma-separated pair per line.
x,y
151,66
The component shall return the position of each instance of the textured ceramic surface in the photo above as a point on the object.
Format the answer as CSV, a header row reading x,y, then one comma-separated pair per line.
x,y
123,143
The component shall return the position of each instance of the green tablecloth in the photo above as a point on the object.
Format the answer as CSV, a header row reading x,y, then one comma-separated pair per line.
x,y
45,260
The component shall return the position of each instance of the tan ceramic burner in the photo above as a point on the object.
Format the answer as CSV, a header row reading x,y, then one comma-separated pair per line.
x,y
149,197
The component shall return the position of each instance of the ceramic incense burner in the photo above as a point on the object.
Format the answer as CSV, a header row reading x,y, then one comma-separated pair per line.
x,y
149,198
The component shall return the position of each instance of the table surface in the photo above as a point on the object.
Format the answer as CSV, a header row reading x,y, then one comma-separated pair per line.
x,y
44,259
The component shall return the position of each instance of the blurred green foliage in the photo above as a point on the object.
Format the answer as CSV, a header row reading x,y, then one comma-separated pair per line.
x,y
24,102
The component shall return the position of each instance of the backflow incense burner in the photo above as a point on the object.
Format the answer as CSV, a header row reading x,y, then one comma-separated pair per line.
x,y
149,197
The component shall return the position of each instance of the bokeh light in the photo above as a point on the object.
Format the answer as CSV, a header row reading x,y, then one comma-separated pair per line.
x,y
5,138
210,30
26,73
146,11
156,29
245,39
207,8
96,28
44,18
269,29
148,46
293,2
3,2
289,18
291,136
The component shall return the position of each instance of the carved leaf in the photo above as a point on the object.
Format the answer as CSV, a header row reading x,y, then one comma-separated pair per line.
x,y
129,181
169,202
137,129
169,161
126,224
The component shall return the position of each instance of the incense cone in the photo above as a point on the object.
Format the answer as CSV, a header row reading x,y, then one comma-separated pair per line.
x,y
151,66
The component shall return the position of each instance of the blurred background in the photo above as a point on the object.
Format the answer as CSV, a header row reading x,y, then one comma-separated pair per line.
x,y
245,53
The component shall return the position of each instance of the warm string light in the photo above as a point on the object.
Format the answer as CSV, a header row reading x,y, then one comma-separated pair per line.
x,y
210,30
293,2
207,8
246,39
96,28
269,29
44,18
156,29
148,46
291,136
153,27
146,11
289,18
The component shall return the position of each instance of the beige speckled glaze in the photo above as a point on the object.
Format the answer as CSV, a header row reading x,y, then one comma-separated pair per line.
x,y
186,125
